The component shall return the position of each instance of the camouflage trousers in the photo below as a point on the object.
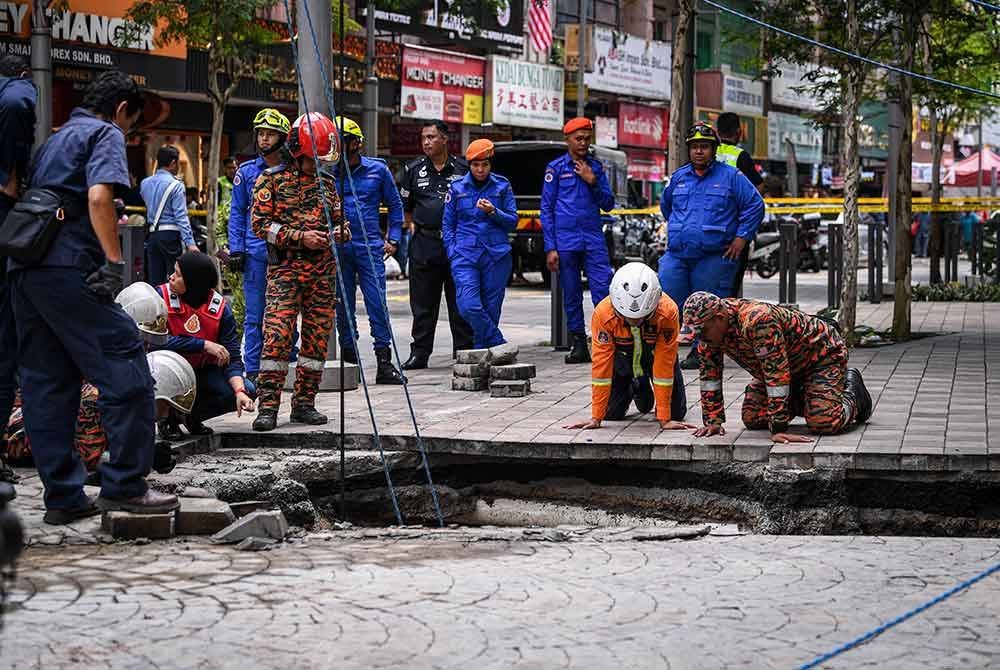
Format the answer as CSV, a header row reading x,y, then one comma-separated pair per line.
x,y
293,288
818,396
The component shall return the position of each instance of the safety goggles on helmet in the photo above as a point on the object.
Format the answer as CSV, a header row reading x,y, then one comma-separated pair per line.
x,y
702,131
349,128
271,119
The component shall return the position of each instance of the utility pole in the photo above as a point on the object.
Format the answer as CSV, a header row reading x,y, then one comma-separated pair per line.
x,y
41,69
582,47
979,171
687,120
369,112
310,71
681,83
892,166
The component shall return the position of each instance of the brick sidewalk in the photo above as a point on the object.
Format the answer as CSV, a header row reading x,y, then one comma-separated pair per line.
x,y
931,409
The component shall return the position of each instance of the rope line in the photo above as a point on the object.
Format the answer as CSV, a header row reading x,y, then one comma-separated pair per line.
x,y
849,54
340,277
875,632
995,8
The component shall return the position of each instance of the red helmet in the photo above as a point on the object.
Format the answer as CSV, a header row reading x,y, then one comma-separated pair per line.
x,y
314,135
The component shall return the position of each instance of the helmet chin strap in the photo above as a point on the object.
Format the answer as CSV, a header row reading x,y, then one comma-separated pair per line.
x,y
277,147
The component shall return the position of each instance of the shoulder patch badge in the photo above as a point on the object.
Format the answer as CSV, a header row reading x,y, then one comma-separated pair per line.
x,y
603,337
548,177
236,180
192,325
447,196
666,181
264,195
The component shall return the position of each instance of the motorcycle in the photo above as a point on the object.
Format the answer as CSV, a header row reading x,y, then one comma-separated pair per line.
x,y
763,258
811,245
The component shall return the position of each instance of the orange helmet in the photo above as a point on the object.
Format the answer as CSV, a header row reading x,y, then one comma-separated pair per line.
x,y
315,136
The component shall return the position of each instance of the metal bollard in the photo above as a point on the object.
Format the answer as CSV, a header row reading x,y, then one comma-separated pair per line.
x,y
947,239
875,262
788,262
558,334
976,252
835,264
956,249
132,239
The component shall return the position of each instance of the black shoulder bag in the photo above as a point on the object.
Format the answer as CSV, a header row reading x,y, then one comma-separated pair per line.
x,y
32,225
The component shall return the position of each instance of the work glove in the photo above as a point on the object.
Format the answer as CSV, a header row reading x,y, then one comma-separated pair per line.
x,y
108,281
237,261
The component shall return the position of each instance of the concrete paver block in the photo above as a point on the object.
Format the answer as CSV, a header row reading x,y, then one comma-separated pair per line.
x,y
241,509
513,372
510,388
256,524
471,369
128,526
472,356
504,354
203,516
468,383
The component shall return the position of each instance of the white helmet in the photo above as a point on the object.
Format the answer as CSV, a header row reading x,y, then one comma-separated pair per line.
x,y
635,290
173,379
147,308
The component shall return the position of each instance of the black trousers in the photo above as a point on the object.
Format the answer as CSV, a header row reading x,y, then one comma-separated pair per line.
x,y
626,388
8,333
430,273
215,396
162,251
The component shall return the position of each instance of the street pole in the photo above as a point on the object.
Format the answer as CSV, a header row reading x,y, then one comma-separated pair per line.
x,y
687,111
369,113
309,67
581,45
979,172
41,69
892,168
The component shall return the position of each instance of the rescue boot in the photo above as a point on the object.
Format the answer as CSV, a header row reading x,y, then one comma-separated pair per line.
x,y
169,429
691,361
349,355
387,372
308,415
267,419
854,388
579,353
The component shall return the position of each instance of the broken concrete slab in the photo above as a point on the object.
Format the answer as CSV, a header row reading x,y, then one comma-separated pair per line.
x,y
510,388
473,356
255,544
128,526
468,383
473,370
263,524
241,509
202,516
512,372
503,354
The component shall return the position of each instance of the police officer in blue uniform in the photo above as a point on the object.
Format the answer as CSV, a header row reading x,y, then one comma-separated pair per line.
x,y
361,260
17,126
166,216
573,194
712,210
247,252
479,213
68,326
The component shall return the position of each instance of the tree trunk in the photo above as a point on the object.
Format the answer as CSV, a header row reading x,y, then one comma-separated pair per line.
x,y
214,162
938,136
677,153
903,293
852,79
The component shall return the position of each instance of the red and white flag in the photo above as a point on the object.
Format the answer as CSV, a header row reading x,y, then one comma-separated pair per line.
x,y
540,25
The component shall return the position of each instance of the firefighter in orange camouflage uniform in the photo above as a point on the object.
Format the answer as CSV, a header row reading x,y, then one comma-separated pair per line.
x,y
289,212
798,362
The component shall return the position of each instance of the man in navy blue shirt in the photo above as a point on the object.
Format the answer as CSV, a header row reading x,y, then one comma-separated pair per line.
x,y
166,216
17,126
68,326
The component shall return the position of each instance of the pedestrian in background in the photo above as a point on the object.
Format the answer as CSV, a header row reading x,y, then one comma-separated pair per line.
x,y
923,237
424,184
574,192
18,98
479,214
169,229
712,211
68,326
361,261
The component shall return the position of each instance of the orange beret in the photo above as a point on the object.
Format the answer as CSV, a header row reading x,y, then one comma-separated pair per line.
x,y
579,123
479,150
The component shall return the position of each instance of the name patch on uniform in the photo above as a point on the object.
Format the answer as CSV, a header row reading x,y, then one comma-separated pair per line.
x,y
548,176
192,325
603,337
423,182
264,195
568,175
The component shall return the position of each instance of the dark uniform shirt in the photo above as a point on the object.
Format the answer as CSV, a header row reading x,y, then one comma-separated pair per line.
x,y
423,188
18,98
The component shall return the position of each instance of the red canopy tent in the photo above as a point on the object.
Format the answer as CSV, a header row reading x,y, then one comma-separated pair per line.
x,y
965,171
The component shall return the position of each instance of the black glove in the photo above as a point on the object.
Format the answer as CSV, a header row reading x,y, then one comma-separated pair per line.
x,y
237,261
108,281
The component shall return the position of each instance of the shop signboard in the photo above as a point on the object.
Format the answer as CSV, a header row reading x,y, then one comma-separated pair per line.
x,y
790,87
807,139
606,131
629,65
442,85
642,125
742,95
646,164
524,94
497,28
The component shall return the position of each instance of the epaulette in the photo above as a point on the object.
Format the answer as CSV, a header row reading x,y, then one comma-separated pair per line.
x,y
274,170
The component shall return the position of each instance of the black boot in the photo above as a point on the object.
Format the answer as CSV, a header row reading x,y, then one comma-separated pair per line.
x,y
386,372
854,388
691,361
349,355
307,415
163,457
169,429
579,353
416,362
267,419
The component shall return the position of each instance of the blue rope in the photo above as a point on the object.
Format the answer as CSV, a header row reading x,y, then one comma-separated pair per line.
x,y
995,8
848,54
340,276
875,632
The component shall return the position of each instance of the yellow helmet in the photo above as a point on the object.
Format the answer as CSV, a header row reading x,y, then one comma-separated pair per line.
x,y
349,127
271,119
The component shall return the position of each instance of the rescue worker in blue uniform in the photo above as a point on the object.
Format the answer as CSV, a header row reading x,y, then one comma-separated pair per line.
x,y
361,260
68,326
18,98
247,252
712,211
479,213
574,192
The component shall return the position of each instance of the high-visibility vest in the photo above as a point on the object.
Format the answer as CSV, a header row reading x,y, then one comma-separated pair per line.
x,y
728,154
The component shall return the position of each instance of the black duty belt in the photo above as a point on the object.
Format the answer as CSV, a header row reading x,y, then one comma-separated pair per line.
x,y
311,255
433,233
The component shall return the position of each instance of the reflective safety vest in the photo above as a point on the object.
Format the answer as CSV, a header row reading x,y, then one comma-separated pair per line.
x,y
202,322
728,154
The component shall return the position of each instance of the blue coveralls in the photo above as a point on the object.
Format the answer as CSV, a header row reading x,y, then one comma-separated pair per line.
x,y
172,233
67,334
479,251
703,216
571,225
18,98
361,259
243,241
